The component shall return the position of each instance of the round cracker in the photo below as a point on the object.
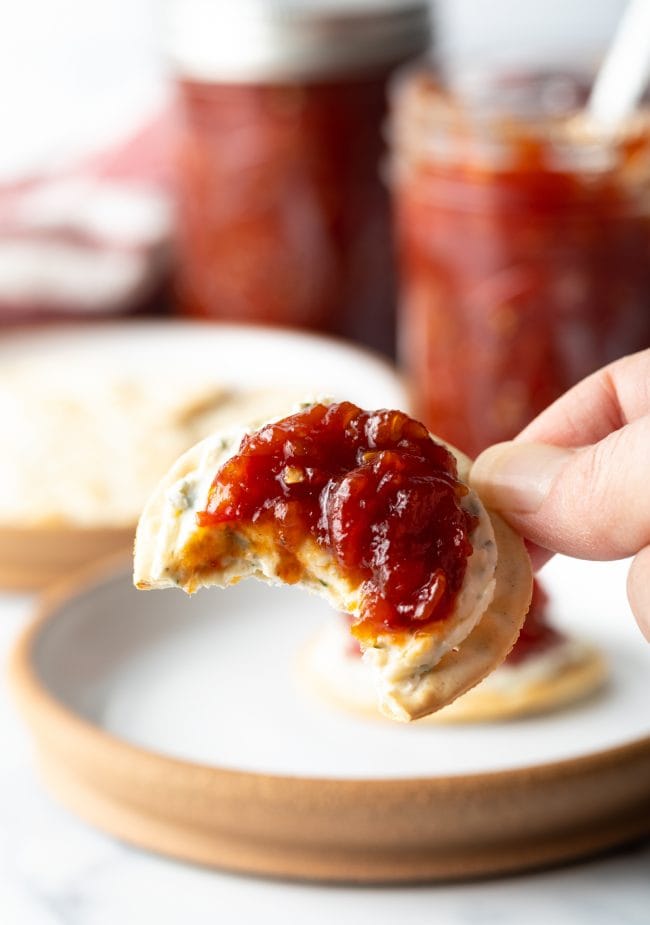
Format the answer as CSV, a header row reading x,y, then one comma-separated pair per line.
x,y
492,638
486,646
344,681
576,681
151,531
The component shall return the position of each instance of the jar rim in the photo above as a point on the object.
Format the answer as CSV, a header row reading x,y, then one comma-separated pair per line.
x,y
428,118
278,40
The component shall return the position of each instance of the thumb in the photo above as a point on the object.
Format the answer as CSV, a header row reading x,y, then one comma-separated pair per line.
x,y
591,503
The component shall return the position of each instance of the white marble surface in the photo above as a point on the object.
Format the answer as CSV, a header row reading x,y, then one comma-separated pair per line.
x,y
55,870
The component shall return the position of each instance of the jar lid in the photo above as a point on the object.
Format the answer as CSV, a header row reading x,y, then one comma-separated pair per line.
x,y
274,40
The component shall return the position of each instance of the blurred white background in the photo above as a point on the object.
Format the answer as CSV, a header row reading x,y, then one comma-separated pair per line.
x,y
76,73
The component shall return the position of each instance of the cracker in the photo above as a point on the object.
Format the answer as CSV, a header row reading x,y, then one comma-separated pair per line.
x,y
325,668
491,640
160,561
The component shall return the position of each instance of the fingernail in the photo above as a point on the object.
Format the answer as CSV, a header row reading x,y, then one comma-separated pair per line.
x,y
517,477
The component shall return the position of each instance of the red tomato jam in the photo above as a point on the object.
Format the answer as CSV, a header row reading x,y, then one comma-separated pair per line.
x,y
282,217
536,636
524,248
372,488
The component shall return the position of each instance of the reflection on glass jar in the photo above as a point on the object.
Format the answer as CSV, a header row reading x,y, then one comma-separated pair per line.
x,y
282,215
524,248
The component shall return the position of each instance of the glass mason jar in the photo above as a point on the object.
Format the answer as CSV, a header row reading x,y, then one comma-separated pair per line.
x,y
282,217
523,235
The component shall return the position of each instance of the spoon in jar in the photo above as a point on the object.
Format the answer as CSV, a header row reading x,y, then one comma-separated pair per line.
x,y
624,73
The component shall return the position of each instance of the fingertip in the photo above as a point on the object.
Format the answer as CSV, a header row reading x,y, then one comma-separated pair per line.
x,y
485,473
517,477
638,590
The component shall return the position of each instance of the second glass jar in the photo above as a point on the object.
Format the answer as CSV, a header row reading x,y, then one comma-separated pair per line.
x,y
524,247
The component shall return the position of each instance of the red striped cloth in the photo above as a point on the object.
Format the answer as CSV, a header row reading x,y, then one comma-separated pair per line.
x,y
91,240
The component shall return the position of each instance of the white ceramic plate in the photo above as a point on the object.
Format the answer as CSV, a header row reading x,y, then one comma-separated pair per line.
x,y
212,679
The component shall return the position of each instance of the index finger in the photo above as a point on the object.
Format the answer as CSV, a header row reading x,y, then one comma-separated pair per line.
x,y
602,403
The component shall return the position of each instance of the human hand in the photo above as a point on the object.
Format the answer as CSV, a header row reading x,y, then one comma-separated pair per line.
x,y
577,479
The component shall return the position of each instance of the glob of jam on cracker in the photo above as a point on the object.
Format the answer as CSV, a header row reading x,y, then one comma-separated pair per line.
x,y
371,487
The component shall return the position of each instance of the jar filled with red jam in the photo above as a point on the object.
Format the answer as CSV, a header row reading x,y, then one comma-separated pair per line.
x,y
524,245
282,215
